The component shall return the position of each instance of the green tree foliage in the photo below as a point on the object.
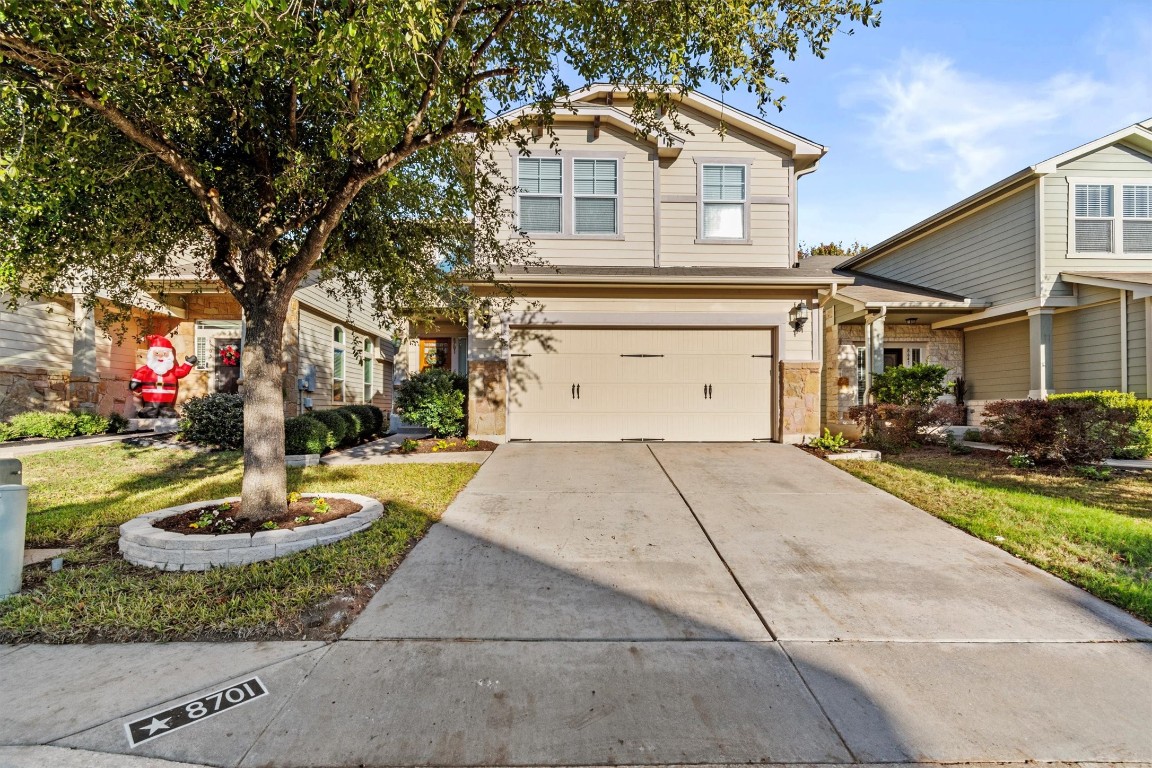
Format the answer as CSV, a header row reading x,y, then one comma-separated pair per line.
x,y
260,140
831,249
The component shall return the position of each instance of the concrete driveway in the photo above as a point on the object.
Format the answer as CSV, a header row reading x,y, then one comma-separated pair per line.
x,y
602,604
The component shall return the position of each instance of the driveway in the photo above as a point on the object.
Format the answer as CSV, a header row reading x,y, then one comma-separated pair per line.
x,y
602,604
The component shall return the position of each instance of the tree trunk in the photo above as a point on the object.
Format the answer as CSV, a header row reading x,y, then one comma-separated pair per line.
x,y
265,488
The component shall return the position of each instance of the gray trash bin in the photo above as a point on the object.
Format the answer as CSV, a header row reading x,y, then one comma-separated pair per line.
x,y
13,517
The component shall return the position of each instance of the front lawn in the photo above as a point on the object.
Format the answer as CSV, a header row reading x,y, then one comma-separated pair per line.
x,y
1097,535
79,497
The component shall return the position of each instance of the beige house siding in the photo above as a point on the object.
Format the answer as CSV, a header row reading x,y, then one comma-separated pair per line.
x,y
988,256
37,336
996,362
769,182
1138,348
1086,348
1118,161
316,345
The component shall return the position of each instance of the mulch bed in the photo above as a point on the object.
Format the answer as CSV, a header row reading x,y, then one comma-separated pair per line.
x,y
449,445
182,523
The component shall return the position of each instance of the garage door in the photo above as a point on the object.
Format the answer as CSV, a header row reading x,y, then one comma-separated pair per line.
x,y
637,384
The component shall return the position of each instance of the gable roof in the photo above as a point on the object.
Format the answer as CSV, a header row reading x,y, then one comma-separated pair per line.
x,y
1138,135
668,145
803,151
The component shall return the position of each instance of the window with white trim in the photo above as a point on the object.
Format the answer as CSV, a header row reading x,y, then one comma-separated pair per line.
x,y
541,184
1111,217
1137,209
595,195
1095,212
724,189
369,362
337,364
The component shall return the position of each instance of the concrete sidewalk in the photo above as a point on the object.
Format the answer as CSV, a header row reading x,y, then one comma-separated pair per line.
x,y
632,605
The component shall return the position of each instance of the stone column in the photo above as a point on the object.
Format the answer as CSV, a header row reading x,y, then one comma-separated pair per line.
x,y
1040,352
487,400
800,401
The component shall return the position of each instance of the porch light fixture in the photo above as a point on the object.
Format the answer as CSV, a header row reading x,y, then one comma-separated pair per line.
x,y
912,320
798,316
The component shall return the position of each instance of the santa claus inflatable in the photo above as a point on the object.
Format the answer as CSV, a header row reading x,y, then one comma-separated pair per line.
x,y
155,383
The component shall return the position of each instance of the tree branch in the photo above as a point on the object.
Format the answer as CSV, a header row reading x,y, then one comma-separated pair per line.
x,y
53,71
434,77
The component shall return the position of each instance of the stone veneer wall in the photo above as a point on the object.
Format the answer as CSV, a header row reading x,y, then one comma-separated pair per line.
x,y
941,348
800,396
487,399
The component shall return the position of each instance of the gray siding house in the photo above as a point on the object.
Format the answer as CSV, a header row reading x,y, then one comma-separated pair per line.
x,y
1054,264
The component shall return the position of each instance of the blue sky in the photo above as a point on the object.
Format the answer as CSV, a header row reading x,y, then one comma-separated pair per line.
x,y
948,96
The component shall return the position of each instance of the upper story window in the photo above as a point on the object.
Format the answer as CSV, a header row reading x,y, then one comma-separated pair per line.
x,y
569,196
724,198
595,193
1100,225
541,194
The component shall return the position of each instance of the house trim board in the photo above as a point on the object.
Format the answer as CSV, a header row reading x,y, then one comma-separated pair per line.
x,y
1008,308
1123,340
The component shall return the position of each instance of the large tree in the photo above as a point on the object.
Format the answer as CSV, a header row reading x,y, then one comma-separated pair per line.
x,y
264,139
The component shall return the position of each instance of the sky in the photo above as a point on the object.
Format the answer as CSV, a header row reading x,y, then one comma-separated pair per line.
x,y
949,96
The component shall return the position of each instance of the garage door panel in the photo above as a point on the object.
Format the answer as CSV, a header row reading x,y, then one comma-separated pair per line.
x,y
670,384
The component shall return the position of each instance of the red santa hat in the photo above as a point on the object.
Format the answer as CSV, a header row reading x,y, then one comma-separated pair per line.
x,y
156,340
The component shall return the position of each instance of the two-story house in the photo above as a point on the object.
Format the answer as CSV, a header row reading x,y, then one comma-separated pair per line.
x,y
672,307
1054,264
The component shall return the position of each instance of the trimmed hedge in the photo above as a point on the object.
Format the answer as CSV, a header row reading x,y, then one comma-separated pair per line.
x,y
215,420
366,418
336,423
60,425
304,434
379,420
352,426
1140,411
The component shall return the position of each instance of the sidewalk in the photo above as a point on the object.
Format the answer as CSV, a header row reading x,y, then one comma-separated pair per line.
x,y
22,448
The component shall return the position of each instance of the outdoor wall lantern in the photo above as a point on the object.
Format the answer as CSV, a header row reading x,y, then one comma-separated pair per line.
x,y
798,316
912,321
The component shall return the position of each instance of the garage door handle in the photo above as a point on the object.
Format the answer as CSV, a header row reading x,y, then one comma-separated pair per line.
x,y
573,391
577,391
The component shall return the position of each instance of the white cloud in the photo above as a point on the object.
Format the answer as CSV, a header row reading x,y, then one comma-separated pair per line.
x,y
926,113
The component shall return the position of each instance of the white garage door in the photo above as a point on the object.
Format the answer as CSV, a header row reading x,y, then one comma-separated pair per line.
x,y
631,384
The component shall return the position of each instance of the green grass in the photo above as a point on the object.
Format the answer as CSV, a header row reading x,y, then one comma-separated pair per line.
x,y
1097,535
79,497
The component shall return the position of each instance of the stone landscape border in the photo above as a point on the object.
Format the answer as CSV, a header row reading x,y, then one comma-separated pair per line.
x,y
142,544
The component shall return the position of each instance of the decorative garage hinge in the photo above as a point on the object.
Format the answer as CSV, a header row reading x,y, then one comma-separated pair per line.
x,y
641,355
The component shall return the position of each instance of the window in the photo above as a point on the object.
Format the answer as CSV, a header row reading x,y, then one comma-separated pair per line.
x,y
1094,212
1102,224
595,193
206,332
1137,205
337,364
368,363
724,193
541,194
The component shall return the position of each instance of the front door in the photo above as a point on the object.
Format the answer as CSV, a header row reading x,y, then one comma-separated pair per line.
x,y
435,353
226,364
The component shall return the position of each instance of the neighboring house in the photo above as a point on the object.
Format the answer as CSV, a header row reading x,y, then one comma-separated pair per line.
x,y
672,308
1054,264
53,355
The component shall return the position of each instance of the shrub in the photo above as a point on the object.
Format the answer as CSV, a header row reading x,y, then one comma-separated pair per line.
x,y
366,418
408,445
829,442
44,424
890,428
8,433
304,434
116,424
379,420
336,423
921,384
1140,414
1076,431
973,435
434,399
352,426
1021,461
215,420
